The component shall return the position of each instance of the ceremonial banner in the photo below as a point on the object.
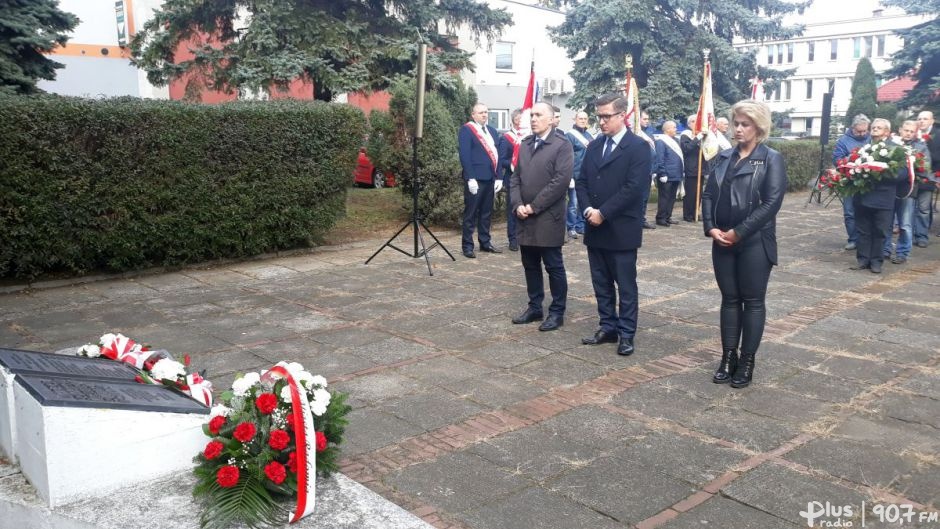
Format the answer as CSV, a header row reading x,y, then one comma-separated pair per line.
x,y
705,118
530,98
757,90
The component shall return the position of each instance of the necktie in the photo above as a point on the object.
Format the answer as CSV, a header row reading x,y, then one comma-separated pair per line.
x,y
535,145
609,147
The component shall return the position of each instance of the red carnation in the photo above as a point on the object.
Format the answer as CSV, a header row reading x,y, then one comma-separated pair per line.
x,y
213,450
854,156
244,432
279,439
216,424
292,461
227,476
275,472
290,421
321,442
266,403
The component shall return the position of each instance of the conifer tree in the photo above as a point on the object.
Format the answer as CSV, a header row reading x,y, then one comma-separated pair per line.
x,y
864,92
29,29
921,53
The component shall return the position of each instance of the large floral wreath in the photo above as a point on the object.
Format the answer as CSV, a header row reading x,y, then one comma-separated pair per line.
x,y
270,435
154,367
866,166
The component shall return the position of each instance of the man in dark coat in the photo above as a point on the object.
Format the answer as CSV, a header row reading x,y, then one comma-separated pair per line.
x,y
537,193
668,170
691,146
929,133
614,177
479,148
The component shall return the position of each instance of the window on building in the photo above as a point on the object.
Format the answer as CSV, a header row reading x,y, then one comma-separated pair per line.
x,y
856,47
868,45
809,125
880,39
833,49
831,85
770,54
503,52
812,51
779,53
498,119
809,89
790,53
786,90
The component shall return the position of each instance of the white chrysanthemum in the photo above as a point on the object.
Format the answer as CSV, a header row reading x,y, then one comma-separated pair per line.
x,y
89,350
317,380
107,338
321,399
219,410
883,152
168,369
285,394
241,386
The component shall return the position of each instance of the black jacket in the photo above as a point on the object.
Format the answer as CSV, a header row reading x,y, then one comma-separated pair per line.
x,y
690,146
757,188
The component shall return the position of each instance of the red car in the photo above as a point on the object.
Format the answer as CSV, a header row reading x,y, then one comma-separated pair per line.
x,y
368,175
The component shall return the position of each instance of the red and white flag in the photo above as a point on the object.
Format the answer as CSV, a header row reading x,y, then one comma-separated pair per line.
x,y
527,103
705,118
757,90
634,113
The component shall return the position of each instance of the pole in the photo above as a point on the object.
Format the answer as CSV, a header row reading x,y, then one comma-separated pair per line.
x,y
698,120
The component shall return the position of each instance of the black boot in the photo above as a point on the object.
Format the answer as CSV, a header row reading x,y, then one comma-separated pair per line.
x,y
729,362
744,371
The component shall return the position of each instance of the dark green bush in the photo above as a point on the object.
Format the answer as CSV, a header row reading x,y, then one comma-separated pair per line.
x,y
124,183
802,157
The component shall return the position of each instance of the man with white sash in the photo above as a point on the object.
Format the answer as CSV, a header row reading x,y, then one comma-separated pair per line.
x,y
478,145
669,170
579,138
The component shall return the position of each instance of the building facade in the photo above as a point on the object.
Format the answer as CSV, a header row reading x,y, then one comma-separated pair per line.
x,y
503,65
836,36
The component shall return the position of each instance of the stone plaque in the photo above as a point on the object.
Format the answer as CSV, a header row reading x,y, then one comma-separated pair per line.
x,y
59,391
16,361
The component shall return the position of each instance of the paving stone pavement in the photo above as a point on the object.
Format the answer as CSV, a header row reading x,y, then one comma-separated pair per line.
x,y
472,422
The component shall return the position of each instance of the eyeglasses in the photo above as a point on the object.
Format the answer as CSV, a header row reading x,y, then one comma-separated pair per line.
x,y
605,117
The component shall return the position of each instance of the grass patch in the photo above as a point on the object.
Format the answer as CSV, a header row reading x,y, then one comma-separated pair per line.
x,y
370,214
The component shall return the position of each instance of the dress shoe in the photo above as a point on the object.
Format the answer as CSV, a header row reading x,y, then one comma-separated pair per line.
x,y
663,224
849,246
744,371
729,362
600,336
490,249
670,221
860,266
626,346
469,254
648,226
552,322
572,234
513,246
875,268
528,316
899,259
921,244
688,219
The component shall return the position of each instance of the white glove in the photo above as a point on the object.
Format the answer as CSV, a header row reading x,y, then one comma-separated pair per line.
x,y
497,186
473,186
571,184
701,135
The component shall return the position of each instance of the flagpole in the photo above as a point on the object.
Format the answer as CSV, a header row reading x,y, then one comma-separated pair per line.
x,y
698,180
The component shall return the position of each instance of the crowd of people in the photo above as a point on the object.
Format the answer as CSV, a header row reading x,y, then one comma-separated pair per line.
x,y
565,186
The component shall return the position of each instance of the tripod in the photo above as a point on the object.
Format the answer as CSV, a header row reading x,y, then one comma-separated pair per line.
x,y
415,222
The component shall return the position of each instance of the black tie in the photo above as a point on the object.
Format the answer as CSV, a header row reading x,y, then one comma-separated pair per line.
x,y
535,145
609,147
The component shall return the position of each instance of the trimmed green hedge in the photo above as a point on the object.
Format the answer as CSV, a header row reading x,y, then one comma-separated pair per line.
x,y
125,183
802,157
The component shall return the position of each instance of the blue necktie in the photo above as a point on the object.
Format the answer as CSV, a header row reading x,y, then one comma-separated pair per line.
x,y
609,147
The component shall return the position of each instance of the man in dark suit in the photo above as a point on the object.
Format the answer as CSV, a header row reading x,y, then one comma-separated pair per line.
x,y
615,170
668,169
929,133
478,144
537,194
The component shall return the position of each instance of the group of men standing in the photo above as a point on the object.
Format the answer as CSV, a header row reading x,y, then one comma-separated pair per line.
x,y
606,181
907,203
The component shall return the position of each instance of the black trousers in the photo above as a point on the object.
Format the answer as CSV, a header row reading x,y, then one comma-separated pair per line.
x,y
688,203
873,227
533,257
667,200
742,273
477,211
607,268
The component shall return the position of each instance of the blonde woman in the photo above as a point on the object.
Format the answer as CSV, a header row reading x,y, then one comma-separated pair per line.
x,y
742,196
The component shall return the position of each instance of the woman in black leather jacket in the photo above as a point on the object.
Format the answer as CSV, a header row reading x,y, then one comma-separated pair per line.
x,y
743,193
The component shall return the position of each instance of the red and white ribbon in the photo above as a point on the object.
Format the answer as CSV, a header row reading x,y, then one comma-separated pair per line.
x,y
305,438
123,349
910,175
488,146
200,389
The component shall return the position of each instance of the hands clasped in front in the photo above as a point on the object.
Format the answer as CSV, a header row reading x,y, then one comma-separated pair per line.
x,y
524,211
594,217
724,238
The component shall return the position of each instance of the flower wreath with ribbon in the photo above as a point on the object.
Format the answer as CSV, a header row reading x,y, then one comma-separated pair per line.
x,y
271,434
154,367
